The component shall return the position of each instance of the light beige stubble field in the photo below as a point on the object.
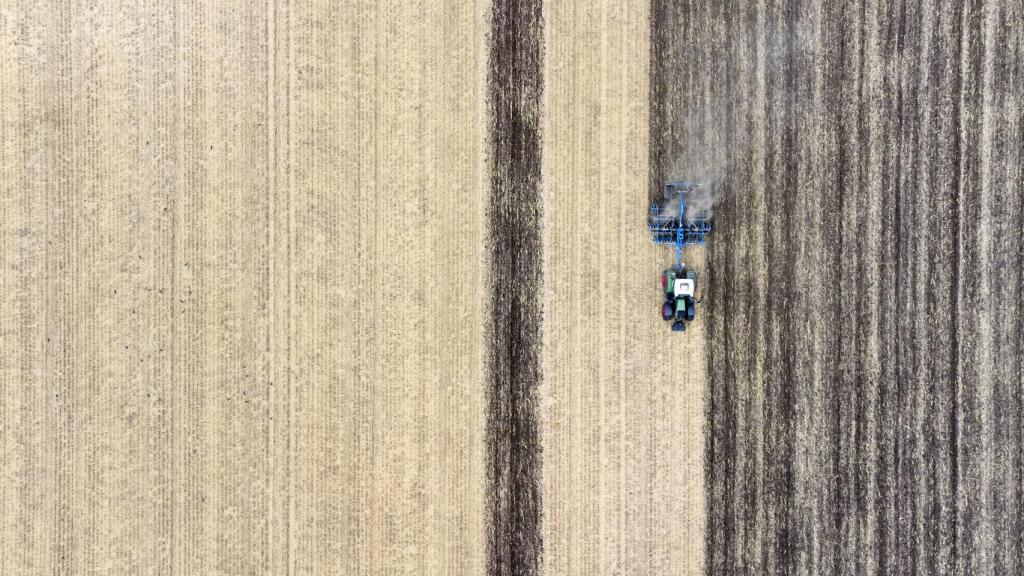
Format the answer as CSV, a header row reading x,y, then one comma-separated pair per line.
x,y
241,289
623,396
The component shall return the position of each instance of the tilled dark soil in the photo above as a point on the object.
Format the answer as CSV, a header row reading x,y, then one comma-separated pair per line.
x,y
865,297
513,370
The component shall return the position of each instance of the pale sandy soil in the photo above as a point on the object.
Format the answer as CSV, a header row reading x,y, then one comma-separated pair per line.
x,y
622,396
240,295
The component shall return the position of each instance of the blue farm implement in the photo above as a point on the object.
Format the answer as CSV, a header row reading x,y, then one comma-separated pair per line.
x,y
671,223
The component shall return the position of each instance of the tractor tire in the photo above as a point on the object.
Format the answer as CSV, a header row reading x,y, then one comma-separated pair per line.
x,y
666,311
690,312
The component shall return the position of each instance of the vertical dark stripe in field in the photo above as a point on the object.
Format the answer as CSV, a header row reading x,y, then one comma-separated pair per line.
x,y
514,87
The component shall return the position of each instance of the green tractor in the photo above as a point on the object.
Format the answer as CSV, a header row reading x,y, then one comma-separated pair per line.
x,y
680,287
670,223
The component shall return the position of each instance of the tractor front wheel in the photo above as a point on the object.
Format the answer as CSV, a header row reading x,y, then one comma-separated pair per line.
x,y
666,311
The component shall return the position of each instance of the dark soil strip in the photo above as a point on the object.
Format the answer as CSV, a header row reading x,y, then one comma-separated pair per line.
x,y
513,449
865,406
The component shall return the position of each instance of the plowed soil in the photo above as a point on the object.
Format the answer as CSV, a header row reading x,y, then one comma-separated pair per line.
x,y
865,317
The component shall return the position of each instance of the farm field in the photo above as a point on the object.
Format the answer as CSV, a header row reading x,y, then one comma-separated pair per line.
x,y
241,293
622,396
366,288
865,326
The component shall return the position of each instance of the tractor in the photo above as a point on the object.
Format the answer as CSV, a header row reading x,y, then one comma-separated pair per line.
x,y
671,223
